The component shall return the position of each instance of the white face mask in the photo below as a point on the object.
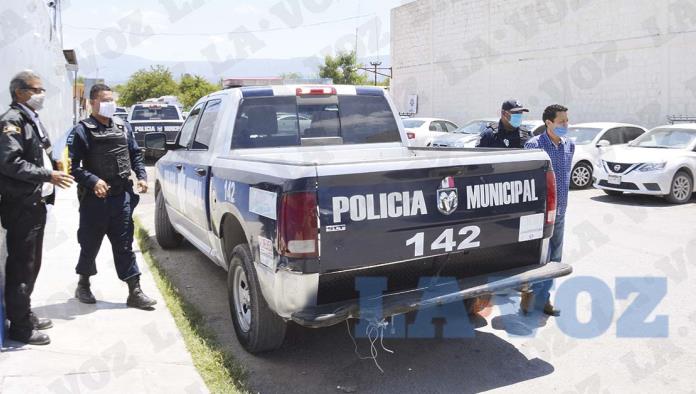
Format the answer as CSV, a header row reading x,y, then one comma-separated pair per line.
x,y
36,101
107,108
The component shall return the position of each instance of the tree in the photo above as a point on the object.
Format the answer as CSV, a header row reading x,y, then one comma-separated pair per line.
x,y
145,84
343,69
291,76
193,87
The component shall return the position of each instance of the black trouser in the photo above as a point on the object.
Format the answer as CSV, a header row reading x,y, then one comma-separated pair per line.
x,y
25,231
113,217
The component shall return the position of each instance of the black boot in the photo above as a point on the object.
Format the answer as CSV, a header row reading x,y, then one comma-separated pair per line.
x,y
136,297
32,337
40,323
83,292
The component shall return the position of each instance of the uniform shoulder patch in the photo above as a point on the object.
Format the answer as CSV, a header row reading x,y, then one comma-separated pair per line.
x,y
11,129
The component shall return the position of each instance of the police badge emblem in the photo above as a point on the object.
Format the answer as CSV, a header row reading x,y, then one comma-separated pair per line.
x,y
447,197
507,142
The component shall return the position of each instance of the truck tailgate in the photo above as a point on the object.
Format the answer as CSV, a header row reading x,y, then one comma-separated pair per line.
x,y
372,218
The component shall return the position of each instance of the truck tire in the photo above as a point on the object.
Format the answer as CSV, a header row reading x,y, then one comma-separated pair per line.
x,y
258,328
681,188
477,304
166,235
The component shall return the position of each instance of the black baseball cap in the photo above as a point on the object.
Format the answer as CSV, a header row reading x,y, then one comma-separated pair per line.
x,y
513,105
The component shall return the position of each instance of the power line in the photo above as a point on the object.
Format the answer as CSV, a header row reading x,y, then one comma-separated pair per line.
x,y
100,29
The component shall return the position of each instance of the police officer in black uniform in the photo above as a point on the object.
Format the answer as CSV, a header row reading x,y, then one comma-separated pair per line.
x,y
507,133
27,177
103,152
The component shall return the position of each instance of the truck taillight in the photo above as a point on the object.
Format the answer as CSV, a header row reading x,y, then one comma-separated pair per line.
x,y
550,197
411,136
297,225
315,90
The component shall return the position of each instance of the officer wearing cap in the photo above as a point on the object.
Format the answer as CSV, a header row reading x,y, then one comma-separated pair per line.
x,y
27,180
103,152
505,134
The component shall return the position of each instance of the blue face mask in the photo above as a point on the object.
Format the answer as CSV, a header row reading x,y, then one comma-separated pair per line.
x,y
560,131
516,120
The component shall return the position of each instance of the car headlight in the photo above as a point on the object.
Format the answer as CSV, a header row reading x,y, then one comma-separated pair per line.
x,y
651,167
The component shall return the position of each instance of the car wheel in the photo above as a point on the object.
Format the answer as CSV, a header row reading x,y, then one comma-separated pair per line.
x,y
167,237
681,188
581,176
613,193
258,328
477,304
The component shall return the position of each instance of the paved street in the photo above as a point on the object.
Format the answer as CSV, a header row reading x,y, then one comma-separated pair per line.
x,y
606,238
101,348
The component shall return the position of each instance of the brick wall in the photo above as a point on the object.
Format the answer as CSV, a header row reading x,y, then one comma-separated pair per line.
x,y
607,60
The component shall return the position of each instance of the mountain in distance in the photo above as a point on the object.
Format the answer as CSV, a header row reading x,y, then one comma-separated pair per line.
x,y
118,68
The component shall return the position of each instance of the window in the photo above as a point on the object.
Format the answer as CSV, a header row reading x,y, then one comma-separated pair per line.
x,y
264,122
450,126
367,119
257,126
207,125
155,112
614,136
631,133
412,123
436,126
189,127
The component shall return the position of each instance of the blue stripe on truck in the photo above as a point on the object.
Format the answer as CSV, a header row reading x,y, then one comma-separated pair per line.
x,y
257,92
368,91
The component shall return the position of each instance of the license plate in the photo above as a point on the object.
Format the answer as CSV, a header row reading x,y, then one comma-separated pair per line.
x,y
614,179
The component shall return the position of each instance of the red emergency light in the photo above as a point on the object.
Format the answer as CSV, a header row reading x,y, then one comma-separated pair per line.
x,y
315,91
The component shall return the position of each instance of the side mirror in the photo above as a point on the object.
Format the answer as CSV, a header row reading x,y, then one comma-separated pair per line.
x,y
156,142
603,144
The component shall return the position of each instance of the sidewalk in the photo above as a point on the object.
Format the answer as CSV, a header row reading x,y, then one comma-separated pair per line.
x,y
105,348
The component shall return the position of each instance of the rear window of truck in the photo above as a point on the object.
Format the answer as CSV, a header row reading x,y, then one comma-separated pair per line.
x,y
155,113
280,121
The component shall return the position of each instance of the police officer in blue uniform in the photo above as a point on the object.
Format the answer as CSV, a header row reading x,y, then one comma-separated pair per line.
x,y
507,133
27,177
103,153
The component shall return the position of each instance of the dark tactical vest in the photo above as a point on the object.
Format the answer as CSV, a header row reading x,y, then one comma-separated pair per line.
x,y
108,156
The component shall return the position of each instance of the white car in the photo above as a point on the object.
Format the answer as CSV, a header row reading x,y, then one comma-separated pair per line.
x,y
469,135
661,162
422,131
587,137
466,136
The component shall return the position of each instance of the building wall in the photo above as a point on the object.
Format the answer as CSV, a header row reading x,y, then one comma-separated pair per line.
x,y
607,60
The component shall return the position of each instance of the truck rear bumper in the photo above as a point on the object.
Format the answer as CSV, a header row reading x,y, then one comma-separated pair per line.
x,y
402,302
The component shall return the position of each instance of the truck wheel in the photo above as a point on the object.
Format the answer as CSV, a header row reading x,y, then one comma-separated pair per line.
x,y
166,236
477,304
681,188
258,328
613,193
581,176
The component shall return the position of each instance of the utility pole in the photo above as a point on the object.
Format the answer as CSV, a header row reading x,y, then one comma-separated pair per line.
x,y
375,65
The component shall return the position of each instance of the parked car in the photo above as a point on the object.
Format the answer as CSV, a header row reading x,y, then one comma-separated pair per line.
x,y
587,137
296,218
469,135
421,131
121,112
661,162
466,136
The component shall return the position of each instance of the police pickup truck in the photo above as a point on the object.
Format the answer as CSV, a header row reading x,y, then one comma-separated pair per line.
x,y
298,210
155,117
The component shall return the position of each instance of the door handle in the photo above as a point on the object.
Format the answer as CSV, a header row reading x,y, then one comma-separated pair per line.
x,y
179,167
201,171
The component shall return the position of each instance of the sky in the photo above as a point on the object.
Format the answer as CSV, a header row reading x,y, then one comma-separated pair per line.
x,y
214,30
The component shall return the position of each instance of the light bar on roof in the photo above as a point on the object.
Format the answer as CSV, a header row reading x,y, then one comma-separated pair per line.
x,y
315,90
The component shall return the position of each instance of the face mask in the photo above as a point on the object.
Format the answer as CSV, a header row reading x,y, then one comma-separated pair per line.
x,y
516,120
560,131
107,109
36,101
